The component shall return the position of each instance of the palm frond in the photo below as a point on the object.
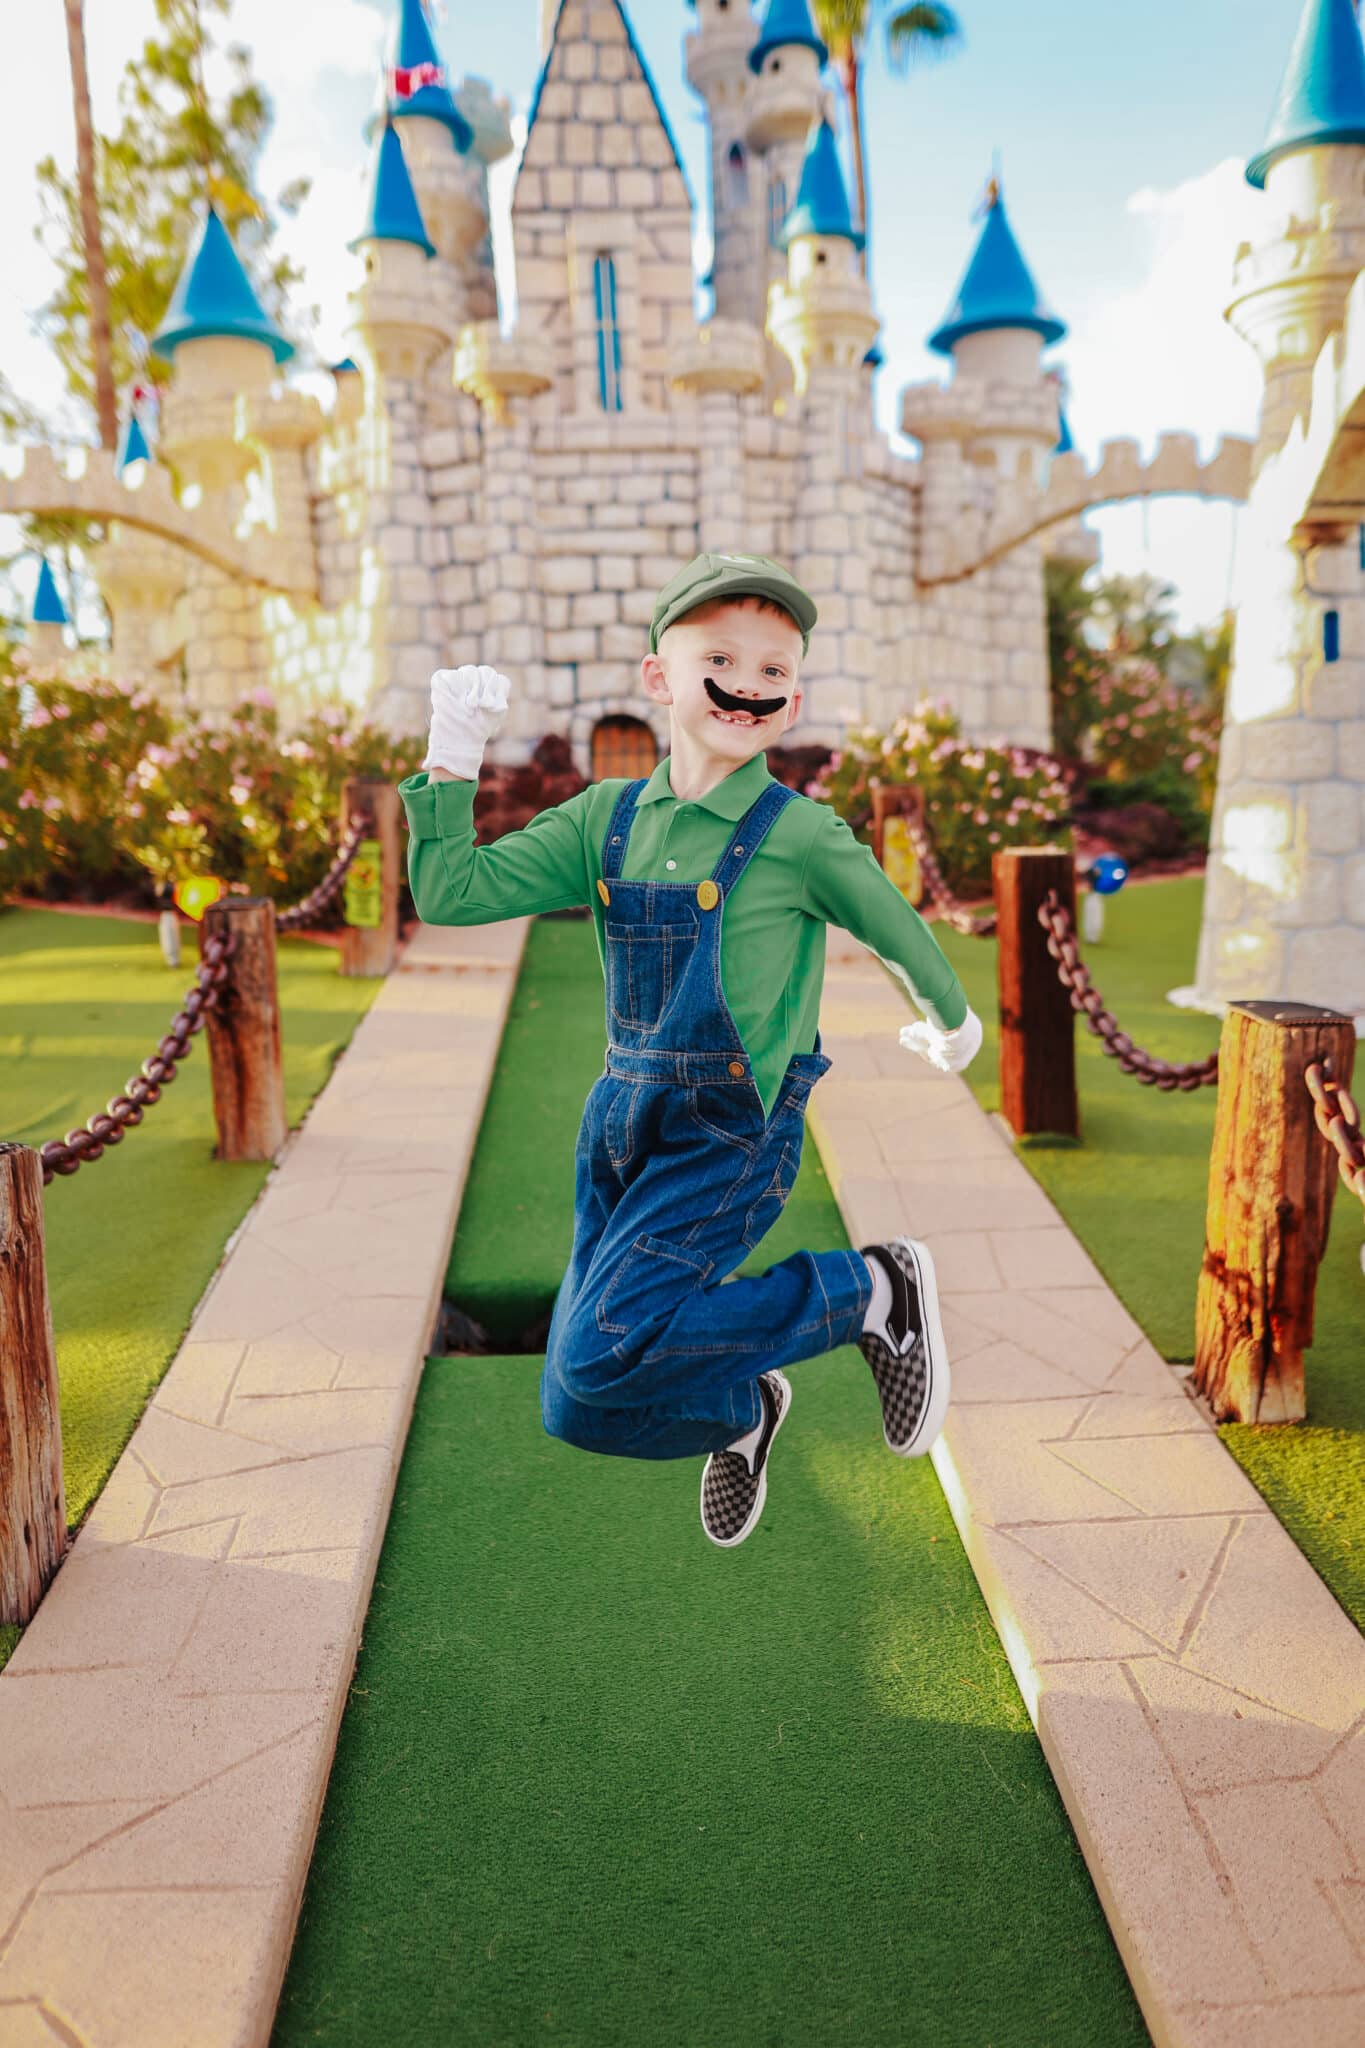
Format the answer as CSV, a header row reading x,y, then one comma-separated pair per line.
x,y
921,30
842,24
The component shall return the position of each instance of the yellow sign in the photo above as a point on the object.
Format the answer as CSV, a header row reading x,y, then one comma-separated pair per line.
x,y
362,885
900,860
194,893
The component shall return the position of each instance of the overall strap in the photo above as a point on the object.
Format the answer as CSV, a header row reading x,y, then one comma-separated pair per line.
x,y
748,832
618,828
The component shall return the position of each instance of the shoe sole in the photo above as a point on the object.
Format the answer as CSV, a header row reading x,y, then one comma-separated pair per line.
x,y
935,1354
746,1528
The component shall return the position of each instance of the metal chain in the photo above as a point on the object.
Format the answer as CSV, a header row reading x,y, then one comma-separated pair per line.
x,y
1339,1120
65,1155
954,913
359,827
1055,919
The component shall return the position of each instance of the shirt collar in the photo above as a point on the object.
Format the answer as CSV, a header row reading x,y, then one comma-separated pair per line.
x,y
730,798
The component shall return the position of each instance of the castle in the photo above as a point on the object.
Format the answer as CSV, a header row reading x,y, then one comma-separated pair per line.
x,y
518,498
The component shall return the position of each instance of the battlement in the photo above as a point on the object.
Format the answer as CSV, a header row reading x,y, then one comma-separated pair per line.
x,y
88,482
1020,511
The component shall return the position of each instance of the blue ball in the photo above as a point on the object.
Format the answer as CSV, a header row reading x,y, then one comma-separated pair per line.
x,y
1108,875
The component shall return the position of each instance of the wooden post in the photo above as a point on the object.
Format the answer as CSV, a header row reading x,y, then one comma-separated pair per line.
x,y
1271,1179
32,1495
1037,1022
244,1032
372,949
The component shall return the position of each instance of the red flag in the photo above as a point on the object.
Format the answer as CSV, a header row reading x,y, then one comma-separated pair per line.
x,y
407,79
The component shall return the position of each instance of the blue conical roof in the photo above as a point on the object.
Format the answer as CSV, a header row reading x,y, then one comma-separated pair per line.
x,y
1064,443
133,447
347,366
394,214
1322,93
785,21
214,296
415,46
821,201
997,288
48,609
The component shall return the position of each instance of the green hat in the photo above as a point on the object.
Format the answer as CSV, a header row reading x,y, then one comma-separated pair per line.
x,y
712,576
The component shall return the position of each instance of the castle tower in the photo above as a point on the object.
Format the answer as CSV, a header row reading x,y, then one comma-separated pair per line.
x,y
488,118
1284,892
784,100
437,141
400,326
45,637
820,315
716,60
225,352
994,334
822,319
1290,287
602,220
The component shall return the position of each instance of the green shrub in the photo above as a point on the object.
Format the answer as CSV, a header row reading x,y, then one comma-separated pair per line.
x,y
977,797
66,751
105,793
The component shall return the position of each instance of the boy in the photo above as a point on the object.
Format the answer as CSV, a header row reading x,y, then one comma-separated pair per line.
x,y
710,885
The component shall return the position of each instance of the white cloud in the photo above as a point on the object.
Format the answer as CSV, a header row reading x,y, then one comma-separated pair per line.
x,y
1161,357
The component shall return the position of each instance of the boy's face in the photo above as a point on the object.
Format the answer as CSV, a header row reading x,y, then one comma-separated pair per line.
x,y
741,652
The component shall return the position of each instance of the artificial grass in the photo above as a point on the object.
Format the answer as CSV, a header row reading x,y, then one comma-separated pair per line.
x,y
1135,1193
133,1239
599,1782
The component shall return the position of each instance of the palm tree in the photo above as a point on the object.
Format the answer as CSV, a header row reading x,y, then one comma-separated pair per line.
x,y
101,344
919,30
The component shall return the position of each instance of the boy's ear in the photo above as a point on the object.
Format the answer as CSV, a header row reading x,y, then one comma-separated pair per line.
x,y
654,679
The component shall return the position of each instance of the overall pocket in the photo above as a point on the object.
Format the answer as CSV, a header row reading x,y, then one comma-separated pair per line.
x,y
650,1275
639,973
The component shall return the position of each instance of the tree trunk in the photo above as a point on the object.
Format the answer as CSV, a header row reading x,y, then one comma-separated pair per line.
x,y
848,73
1272,1175
101,344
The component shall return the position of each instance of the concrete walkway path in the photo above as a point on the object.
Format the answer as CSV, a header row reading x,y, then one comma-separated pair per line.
x,y
168,1720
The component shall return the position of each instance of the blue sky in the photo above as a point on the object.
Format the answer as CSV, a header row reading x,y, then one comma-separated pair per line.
x,y
1122,132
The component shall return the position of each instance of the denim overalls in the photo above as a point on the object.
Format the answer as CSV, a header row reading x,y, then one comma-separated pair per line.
x,y
677,1177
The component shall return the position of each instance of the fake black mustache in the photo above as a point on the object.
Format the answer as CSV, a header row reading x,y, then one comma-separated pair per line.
x,y
758,707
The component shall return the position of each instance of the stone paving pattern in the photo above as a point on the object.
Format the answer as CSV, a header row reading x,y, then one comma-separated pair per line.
x,y
168,1721
1198,1692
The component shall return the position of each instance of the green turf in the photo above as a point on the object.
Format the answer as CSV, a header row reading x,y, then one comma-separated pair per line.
x,y
1135,1193
598,1782
133,1238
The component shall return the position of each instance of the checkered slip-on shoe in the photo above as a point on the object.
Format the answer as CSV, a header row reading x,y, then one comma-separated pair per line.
x,y
733,1493
908,1356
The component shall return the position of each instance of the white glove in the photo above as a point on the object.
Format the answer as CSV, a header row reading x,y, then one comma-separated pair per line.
x,y
468,706
949,1051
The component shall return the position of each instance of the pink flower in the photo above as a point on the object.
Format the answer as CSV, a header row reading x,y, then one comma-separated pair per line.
x,y
263,698
52,806
98,729
40,715
61,711
28,800
177,815
993,838
4,760
135,810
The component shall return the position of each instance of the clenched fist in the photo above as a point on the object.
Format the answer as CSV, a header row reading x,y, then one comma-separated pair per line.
x,y
468,706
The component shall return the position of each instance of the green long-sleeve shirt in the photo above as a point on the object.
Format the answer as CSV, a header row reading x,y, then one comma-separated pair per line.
x,y
807,871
